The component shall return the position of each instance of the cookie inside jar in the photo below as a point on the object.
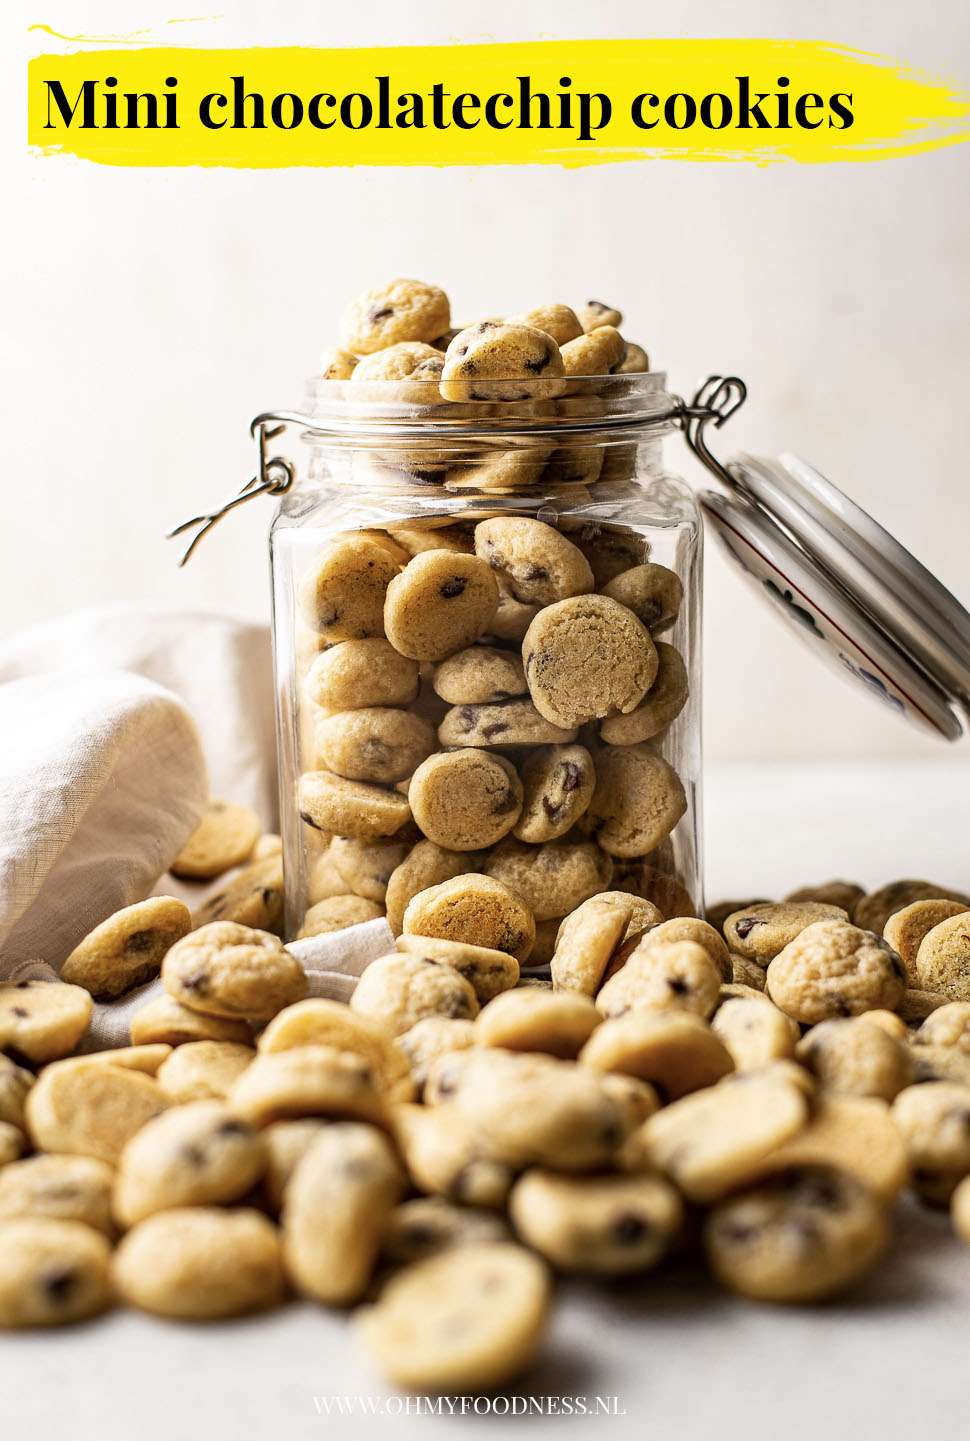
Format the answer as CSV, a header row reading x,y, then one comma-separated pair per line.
x,y
486,614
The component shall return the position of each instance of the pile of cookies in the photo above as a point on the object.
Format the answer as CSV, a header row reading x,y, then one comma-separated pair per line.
x,y
761,1089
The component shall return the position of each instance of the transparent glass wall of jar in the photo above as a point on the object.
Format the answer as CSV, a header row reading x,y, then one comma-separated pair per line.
x,y
396,466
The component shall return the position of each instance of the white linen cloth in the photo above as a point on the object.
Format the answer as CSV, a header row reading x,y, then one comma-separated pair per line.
x,y
108,720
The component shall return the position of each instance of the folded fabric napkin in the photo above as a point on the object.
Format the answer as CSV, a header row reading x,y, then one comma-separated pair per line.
x,y
113,722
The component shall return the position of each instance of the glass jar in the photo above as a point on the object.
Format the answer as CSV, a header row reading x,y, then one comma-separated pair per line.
x,y
383,475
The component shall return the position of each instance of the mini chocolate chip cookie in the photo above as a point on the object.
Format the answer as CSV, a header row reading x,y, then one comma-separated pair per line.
x,y
948,1026
637,802
832,969
760,932
15,1082
558,321
593,313
460,1322
358,673
425,866
336,364
203,1070
669,975
43,1020
943,958
598,352
252,898
66,1188
552,879
535,563
499,360
488,972
804,1234
200,1263
874,910
350,808
557,784
906,929
336,913
755,1031
556,1023
480,675
435,1036
587,939
654,594
465,800
407,360
635,360
366,866
401,310
52,1272
229,970
309,1080
91,1110
934,1121
165,1020
597,1225
341,596
476,909
441,602
514,723
845,894
225,838
376,743
587,657
661,705
676,1051
401,989
430,1224
335,1208
128,948
856,1058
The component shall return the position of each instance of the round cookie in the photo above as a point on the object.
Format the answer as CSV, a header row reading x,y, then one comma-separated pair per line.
x,y
586,657
432,533
435,1036
43,1020
365,867
535,563
52,1272
461,1322
906,929
855,1058
637,802
761,931
512,723
430,1224
593,313
835,969
943,958
286,1142
874,910
401,989
673,975
662,890
934,1121
661,705
754,1031
654,594
480,675
85,1109
556,1023
598,352
359,673
689,928
635,360
488,972
477,909
375,743
15,1082
552,879
13,1143
200,1263
845,894
465,800
804,1234
321,1022
587,939
714,1141
335,1208
310,1080
425,866
254,897
596,1225
610,549
855,1134
512,619
676,1051
229,970
444,1156
350,808
558,782
198,1154
407,360
165,1020
440,603
400,310
128,948
203,1070
225,838
341,596
65,1188
483,361
336,364
336,913
948,1026
556,320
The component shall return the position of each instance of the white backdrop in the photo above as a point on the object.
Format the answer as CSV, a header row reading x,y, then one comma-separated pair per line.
x,y
149,314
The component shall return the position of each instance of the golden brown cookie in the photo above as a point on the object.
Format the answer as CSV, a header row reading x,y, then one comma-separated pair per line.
x,y
225,838
128,948
475,909
233,971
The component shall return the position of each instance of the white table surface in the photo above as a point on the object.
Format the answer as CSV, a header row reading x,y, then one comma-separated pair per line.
x,y
683,1359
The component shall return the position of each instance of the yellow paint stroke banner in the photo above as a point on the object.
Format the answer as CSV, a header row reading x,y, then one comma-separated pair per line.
x,y
568,103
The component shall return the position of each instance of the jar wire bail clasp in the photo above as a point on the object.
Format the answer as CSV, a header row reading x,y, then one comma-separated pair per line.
x,y
274,476
714,403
